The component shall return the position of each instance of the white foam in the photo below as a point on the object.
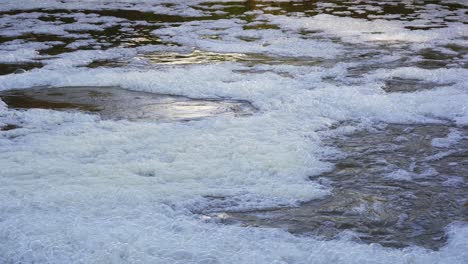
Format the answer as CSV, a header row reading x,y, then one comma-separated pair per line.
x,y
452,138
178,8
454,181
336,102
229,35
360,30
278,152
79,189
400,175
83,229
440,76
19,51
27,23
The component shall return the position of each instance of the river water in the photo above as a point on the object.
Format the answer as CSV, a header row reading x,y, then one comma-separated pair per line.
x,y
202,131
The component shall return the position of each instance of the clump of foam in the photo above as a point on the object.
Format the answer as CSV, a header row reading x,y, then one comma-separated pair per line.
x,y
27,23
439,76
170,7
20,51
360,30
155,233
400,175
230,36
452,138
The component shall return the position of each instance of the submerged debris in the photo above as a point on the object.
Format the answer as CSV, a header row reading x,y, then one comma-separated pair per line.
x,y
8,127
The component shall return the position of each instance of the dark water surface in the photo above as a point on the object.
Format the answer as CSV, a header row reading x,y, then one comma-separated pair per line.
x,y
117,103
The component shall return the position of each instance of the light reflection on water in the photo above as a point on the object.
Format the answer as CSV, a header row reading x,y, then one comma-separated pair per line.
x,y
116,103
